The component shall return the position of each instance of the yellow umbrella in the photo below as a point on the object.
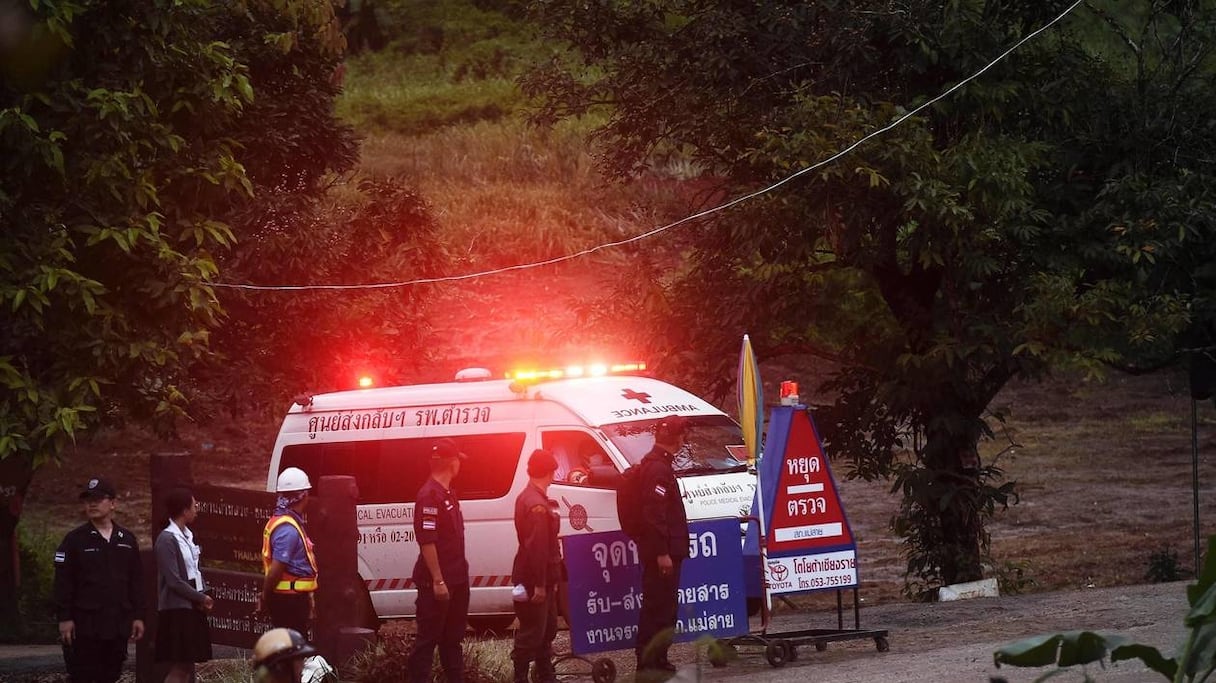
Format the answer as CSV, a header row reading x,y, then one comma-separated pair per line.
x,y
751,400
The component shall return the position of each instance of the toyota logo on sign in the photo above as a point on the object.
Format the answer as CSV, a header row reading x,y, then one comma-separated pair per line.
x,y
778,571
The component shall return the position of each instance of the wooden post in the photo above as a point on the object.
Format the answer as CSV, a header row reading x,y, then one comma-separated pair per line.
x,y
169,470
343,624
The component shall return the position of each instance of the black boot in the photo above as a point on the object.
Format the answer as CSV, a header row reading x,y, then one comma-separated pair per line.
x,y
521,672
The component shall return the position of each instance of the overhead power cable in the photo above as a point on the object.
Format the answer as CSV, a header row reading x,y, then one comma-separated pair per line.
x,y
700,214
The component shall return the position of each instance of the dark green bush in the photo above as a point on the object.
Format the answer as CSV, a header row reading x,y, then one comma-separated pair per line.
x,y
1163,566
35,620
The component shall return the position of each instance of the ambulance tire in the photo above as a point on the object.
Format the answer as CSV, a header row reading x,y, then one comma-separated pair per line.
x,y
491,624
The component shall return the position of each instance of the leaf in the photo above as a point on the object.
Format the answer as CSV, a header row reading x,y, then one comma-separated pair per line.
x,y
1202,654
1087,647
1030,652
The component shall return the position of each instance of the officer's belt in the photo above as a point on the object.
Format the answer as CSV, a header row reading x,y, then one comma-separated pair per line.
x,y
296,586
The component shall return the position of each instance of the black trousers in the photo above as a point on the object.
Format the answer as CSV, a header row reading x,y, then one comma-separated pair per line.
x,y
657,620
289,610
93,660
441,625
537,629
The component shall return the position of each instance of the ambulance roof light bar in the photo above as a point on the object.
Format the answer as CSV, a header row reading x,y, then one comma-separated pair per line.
x,y
522,378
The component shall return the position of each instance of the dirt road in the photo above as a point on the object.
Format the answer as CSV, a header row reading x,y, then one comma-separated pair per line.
x,y
949,642
939,642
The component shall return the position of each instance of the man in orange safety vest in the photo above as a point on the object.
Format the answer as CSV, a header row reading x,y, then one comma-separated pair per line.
x,y
287,557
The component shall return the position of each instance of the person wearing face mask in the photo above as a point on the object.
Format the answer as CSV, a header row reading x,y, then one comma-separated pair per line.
x,y
182,634
98,591
662,547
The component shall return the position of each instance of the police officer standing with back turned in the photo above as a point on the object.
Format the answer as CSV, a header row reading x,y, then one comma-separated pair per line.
x,y
442,572
662,546
99,596
288,562
537,571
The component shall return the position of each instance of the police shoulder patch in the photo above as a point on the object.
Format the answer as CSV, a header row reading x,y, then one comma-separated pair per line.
x,y
543,509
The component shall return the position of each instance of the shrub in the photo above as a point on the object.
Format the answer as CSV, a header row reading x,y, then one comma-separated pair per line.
x,y
36,622
1163,566
485,661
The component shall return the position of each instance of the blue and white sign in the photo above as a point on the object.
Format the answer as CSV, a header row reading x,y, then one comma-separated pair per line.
x,y
606,587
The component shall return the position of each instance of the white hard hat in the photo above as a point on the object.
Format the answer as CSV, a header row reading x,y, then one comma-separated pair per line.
x,y
292,479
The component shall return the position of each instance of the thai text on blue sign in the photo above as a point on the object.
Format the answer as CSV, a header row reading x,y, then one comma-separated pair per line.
x,y
606,587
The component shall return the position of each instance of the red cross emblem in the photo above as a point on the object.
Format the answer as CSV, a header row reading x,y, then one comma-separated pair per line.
x,y
636,396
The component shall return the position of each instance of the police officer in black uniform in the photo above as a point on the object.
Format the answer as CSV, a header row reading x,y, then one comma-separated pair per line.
x,y
662,546
442,572
98,594
537,570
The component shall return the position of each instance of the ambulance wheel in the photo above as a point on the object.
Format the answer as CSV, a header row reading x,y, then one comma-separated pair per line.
x,y
603,671
494,625
882,644
820,646
777,653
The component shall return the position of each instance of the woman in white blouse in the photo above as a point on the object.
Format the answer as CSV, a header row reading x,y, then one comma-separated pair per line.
x,y
182,634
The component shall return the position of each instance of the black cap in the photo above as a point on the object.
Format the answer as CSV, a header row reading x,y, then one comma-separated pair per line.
x,y
671,426
98,488
541,462
444,449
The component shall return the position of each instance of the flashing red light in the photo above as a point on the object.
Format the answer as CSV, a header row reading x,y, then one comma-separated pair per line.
x,y
365,382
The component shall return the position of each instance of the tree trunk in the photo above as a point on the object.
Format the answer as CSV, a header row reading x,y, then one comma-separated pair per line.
x,y
15,476
955,497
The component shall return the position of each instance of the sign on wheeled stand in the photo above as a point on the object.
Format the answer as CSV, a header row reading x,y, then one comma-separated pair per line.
x,y
804,541
605,592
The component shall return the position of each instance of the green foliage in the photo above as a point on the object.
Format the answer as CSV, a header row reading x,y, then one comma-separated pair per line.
x,y
1163,566
275,345
1033,221
35,621
1014,577
113,167
1195,662
445,64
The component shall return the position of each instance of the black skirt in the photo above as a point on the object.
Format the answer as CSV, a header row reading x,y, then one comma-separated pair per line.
x,y
182,635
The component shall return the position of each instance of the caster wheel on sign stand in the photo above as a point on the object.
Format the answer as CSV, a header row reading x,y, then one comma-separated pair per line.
x,y
881,644
777,653
791,651
603,671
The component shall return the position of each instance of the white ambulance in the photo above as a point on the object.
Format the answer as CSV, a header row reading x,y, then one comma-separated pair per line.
x,y
595,421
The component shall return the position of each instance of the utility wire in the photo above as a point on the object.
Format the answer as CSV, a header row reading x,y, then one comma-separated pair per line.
x,y
686,219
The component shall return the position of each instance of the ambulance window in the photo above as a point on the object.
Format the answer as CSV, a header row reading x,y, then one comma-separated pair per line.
x,y
711,444
360,459
581,461
490,469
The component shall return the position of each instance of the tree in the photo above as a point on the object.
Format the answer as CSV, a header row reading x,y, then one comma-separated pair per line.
x,y
135,134
1034,220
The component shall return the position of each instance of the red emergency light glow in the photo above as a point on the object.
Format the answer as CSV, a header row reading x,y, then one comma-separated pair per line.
x,y
365,382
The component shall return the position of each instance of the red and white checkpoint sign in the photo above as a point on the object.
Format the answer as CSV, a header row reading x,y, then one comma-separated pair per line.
x,y
810,545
